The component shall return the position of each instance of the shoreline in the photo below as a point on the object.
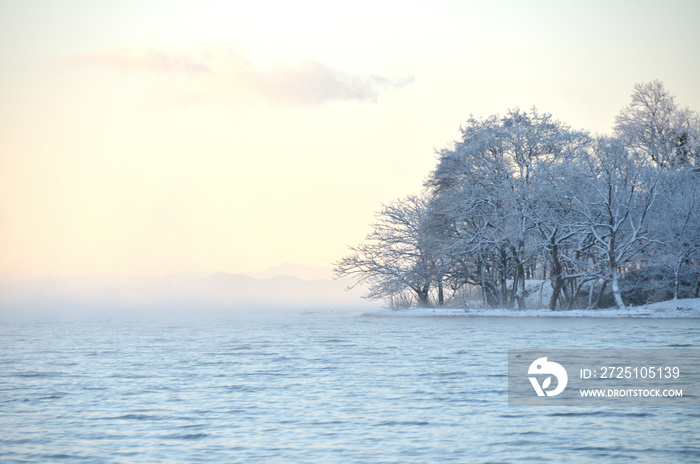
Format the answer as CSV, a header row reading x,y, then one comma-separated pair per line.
x,y
688,308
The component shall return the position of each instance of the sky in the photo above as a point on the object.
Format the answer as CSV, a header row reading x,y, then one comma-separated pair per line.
x,y
157,137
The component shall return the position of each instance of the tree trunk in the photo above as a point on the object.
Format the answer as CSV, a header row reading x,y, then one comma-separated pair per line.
x,y
600,295
491,295
568,298
590,295
504,275
556,291
423,296
616,289
483,283
677,282
519,280
556,275
614,275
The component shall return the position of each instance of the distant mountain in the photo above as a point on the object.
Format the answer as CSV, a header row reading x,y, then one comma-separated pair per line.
x,y
220,290
294,270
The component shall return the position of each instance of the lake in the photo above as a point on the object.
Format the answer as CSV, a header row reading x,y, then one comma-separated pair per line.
x,y
317,387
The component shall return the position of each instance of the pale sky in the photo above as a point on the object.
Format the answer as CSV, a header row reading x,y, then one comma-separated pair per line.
x,y
155,137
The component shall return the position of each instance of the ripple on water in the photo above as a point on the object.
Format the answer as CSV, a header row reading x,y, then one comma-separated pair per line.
x,y
318,389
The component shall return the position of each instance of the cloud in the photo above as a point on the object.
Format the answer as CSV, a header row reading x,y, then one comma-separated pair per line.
x,y
223,74
137,60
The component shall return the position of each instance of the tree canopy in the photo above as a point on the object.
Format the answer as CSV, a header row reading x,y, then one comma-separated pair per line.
x,y
524,196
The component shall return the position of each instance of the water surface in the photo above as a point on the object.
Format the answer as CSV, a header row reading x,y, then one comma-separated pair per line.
x,y
317,387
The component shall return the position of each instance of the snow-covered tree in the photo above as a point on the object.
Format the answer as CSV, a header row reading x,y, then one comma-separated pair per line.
x,y
490,187
563,242
654,124
618,193
525,196
677,223
395,256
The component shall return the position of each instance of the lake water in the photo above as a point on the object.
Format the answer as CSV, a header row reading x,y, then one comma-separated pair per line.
x,y
317,387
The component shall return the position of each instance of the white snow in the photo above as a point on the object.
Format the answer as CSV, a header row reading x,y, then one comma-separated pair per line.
x,y
684,308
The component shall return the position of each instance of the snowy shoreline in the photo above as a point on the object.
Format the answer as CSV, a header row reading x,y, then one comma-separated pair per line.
x,y
683,308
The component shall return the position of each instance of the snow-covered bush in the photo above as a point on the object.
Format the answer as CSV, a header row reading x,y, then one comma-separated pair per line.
x,y
653,283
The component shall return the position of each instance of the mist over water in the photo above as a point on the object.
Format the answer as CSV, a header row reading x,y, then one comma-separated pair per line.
x,y
178,295
315,386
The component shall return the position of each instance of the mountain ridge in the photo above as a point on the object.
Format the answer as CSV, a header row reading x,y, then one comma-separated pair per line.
x,y
217,289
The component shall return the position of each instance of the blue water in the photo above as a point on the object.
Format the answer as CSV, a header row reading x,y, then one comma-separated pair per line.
x,y
317,387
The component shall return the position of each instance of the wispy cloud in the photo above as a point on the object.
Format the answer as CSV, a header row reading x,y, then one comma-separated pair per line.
x,y
221,73
138,60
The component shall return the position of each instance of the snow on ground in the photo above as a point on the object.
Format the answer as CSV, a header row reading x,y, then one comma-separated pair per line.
x,y
684,308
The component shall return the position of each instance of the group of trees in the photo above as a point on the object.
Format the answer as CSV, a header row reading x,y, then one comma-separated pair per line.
x,y
524,196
